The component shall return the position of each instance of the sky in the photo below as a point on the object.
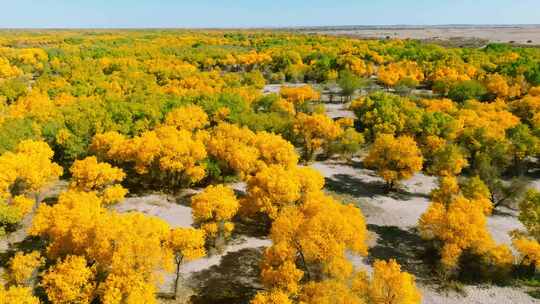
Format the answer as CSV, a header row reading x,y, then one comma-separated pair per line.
x,y
274,13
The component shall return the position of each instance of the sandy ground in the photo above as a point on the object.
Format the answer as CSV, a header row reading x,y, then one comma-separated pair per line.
x,y
333,110
528,35
162,206
338,111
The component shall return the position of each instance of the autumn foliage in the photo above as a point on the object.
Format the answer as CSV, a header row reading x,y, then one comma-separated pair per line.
x,y
126,251
527,242
213,210
395,159
457,221
168,110
90,175
25,172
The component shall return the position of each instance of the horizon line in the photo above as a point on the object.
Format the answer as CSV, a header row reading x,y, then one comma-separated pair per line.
x,y
272,27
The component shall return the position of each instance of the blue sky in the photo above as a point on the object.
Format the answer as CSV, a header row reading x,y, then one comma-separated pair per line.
x,y
240,13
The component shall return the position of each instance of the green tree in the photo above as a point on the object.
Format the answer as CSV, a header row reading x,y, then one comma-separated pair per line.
x,y
349,83
465,90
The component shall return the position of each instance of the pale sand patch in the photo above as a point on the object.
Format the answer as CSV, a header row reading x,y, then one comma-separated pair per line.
x,y
479,295
275,88
338,110
161,206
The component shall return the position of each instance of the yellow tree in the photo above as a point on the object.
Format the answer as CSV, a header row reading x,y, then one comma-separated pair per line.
x,y
70,281
445,76
111,146
529,213
23,173
17,295
475,189
275,150
28,169
128,251
348,143
67,223
459,224
90,175
10,216
241,151
299,95
23,267
315,132
213,210
173,157
187,244
330,291
275,187
447,160
135,256
529,250
188,118
309,245
497,85
271,297
394,72
310,240
180,155
394,158
232,146
389,285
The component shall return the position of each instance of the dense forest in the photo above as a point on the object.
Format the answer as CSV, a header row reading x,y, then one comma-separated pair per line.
x,y
91,118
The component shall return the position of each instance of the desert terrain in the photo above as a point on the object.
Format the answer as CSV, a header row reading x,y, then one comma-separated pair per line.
x,y
453,35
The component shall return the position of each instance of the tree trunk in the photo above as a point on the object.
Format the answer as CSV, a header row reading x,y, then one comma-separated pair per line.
x,y
177,279
389,186
303,260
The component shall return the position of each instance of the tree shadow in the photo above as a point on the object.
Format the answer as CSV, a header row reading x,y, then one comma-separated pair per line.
x,y
184,198
347,184
504,212
234,281
404,195
356,187
406,247
357,164
27,245
534,293
257,226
